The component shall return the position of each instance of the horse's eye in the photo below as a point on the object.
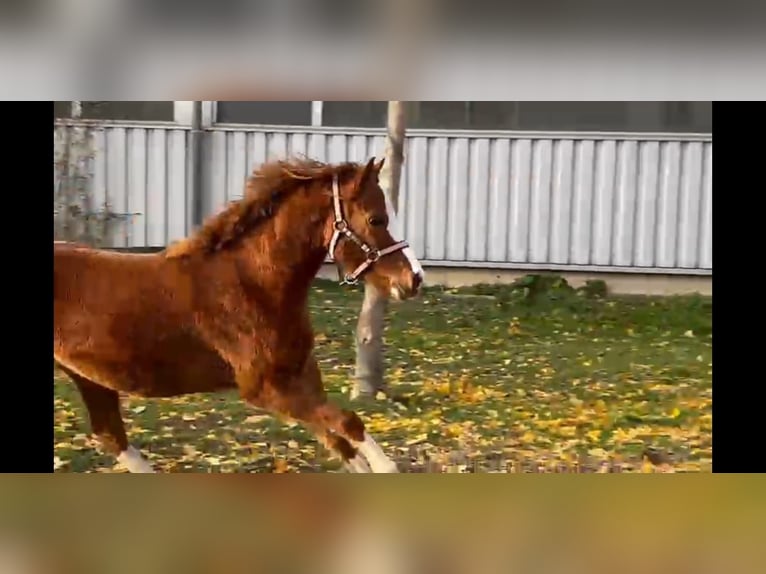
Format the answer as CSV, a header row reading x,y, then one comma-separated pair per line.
x,y
376,221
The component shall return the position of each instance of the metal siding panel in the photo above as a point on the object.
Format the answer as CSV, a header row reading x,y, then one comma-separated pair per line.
x,y
297,145
478,190
378,147
436,247
457,199
521,170
540,201
561,201
706,212
655,212
136,225
370,150
667,207
603,203
625,203
582,203
500,183
98,185
217,167
236,168
259,150
317,147
646,204
177,204
403,208
688,221
336,148
116,175
249,156
156,191
357,149
416,226
277,146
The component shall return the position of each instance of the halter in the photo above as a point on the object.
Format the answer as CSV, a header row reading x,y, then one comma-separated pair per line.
x,y
341,228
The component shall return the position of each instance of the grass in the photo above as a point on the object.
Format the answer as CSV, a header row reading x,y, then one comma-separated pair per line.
x,y
495,378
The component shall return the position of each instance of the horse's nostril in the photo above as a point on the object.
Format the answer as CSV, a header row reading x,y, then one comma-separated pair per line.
x,y
417,281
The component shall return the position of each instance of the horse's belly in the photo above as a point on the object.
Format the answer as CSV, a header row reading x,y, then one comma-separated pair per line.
x,y
143,362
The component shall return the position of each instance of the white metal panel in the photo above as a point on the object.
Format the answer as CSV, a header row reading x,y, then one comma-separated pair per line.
x,y
561,202
540,201
177,199
357,149
499,193
417,186
258,150
276,144
518,232
582,203
457,198
603,203
116,192
706,213
136,184
473,199
436,246
237,170
667,221
297,144
216,169
317,147
156,194
336,149
688,220
478,189
625,203
98,183
646,204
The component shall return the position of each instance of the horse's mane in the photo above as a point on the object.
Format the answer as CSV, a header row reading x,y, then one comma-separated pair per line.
x,y
265,189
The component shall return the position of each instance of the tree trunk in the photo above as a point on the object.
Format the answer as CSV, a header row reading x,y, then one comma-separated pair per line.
x,y
370,370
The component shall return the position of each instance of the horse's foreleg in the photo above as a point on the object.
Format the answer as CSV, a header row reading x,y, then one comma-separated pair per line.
x,y
349,426
350,456
106,422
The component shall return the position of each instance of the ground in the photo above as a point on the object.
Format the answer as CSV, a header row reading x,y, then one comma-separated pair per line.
x,y
493,378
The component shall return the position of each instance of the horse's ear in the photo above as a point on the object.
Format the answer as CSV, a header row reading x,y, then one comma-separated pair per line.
x,y
379,165
367,172
370,170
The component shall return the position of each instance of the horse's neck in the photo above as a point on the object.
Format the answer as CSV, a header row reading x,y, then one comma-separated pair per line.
x,y
284,265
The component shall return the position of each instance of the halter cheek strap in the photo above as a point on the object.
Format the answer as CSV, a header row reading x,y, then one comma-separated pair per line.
x,y
341,229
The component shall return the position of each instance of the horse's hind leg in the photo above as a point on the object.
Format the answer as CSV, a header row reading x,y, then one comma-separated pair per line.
x,y
106,422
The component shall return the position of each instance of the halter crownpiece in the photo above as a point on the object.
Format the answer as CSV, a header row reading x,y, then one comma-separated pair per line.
x,y
341,229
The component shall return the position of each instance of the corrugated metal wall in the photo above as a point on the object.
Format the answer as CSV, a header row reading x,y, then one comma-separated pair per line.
x,y
143,171
538,201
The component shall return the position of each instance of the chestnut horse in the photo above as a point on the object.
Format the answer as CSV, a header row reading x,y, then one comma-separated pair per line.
x,y
227,307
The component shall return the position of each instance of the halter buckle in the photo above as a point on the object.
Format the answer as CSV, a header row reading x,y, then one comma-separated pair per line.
x,y
373,255
341,225
349,279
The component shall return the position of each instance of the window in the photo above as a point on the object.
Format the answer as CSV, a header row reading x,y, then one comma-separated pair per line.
x,y
125,111
269,113
675,117
354,114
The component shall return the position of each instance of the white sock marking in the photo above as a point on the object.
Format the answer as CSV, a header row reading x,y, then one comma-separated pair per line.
x,y
134,462
378,460
358,465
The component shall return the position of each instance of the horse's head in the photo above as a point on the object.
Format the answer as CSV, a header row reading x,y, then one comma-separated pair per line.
x,y
361,242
